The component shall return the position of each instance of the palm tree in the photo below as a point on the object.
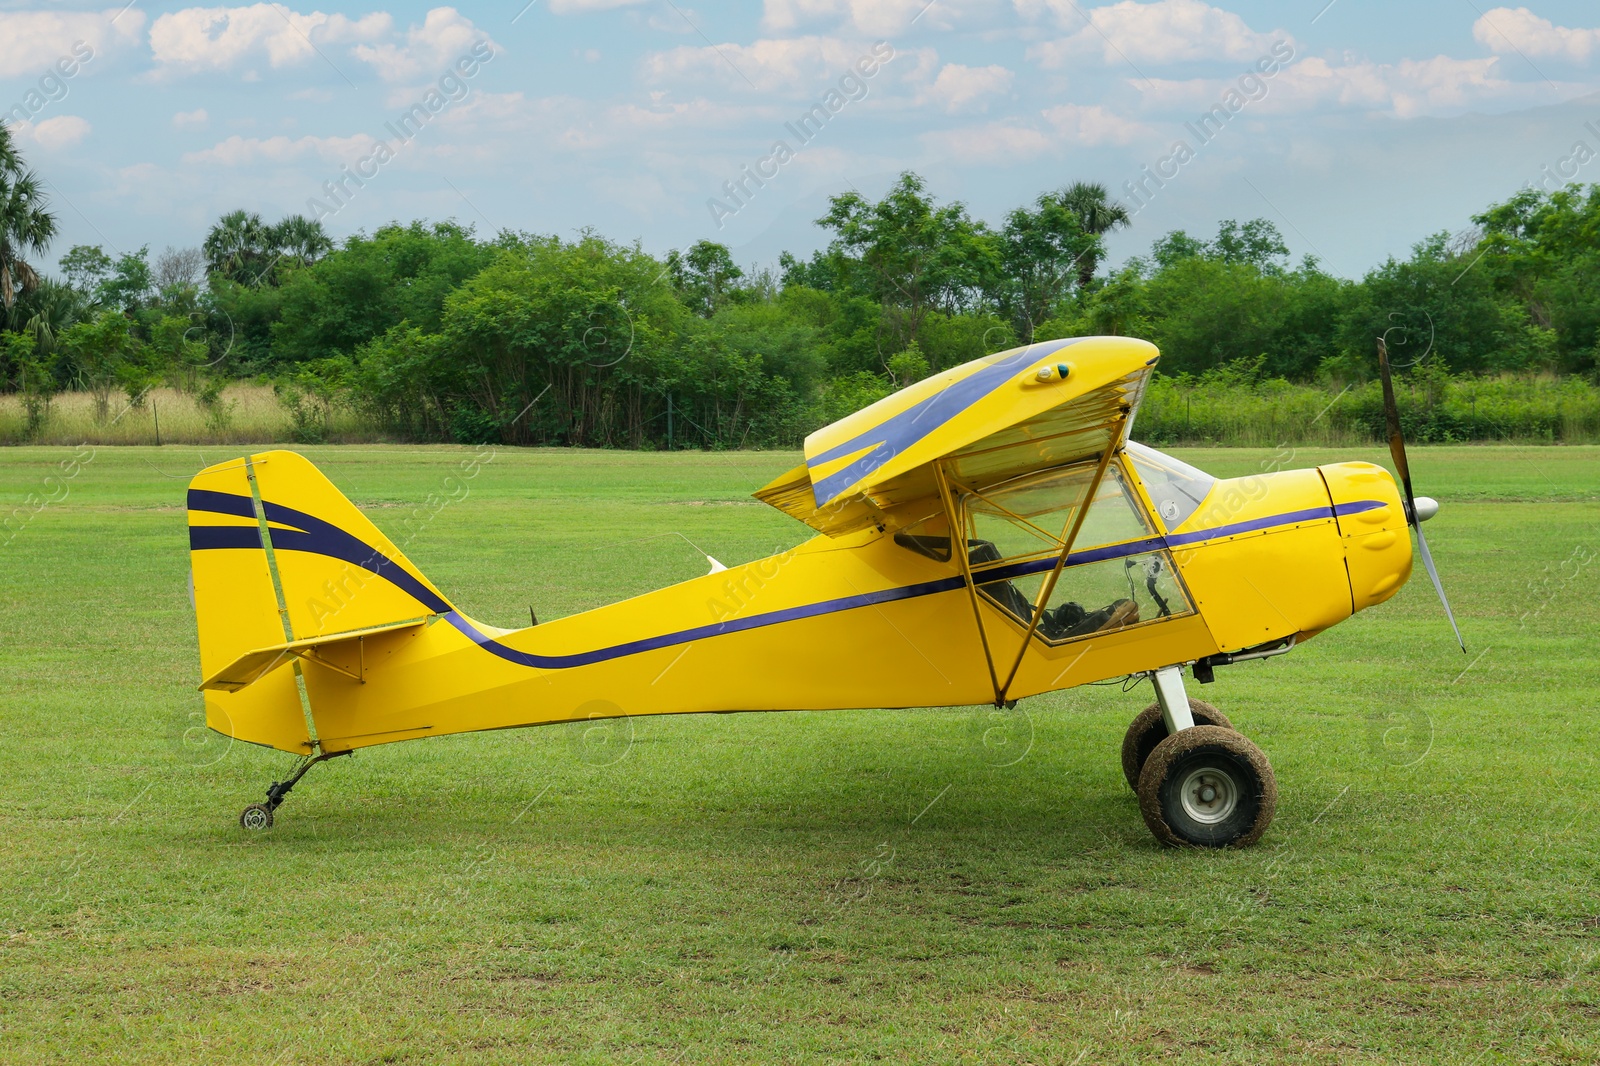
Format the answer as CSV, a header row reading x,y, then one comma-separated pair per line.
x,y
45,311
242,248
26,224
299,239
1098,214
236,245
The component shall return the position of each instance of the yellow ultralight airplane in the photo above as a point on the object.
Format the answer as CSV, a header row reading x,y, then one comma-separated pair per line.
x,y
1082,556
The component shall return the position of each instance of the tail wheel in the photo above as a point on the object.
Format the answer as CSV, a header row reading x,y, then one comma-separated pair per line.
x,y
1207,787
1149,729
256,816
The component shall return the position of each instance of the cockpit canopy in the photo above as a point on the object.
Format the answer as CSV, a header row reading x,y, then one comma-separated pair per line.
x,y
1119,573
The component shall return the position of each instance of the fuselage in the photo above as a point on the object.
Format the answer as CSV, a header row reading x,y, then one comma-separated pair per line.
x,y
1182,567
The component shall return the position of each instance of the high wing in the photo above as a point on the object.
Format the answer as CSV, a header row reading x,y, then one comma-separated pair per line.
x,y
1000,416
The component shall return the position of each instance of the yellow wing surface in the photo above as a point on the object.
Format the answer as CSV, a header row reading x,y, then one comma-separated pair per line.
x,y
1001,416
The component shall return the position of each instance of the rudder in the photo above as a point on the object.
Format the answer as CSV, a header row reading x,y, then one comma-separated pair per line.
x,y
280,555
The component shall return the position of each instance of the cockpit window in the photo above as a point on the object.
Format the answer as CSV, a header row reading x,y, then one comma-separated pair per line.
x,y
1015,532
1176,488
1032,516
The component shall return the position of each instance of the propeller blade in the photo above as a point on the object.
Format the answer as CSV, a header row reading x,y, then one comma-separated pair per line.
x,y
1427,564
1397,450
1397,443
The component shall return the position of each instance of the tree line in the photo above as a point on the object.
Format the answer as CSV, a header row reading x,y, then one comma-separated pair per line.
x,y
434,332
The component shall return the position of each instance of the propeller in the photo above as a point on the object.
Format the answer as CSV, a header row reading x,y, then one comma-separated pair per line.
x,y
1418,508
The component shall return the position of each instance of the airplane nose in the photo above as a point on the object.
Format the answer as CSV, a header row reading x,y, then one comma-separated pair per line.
x,y
1427,507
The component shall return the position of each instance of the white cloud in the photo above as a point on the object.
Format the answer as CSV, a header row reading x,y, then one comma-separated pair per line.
x,y
32,41
227,38
1407,89
480,127
999,143
191,120
1518,30
797,66
962,88
63,131
239,151
881,18
428,51
1092,125
1167,31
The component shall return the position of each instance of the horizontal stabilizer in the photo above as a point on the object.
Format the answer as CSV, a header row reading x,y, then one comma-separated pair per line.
x,y
252,666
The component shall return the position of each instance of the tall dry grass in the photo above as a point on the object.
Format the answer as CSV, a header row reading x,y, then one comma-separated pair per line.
x,y
244,414
1434,409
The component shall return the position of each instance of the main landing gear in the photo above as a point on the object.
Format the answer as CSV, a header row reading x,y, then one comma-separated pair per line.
x,y
259,815
1200,782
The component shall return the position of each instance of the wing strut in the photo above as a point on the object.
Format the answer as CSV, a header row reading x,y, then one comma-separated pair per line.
x,y
953,518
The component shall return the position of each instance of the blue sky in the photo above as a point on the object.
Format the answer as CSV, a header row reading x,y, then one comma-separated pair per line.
x,y
1374,125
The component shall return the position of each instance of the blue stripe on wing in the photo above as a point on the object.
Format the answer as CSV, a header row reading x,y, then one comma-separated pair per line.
x,y
895,434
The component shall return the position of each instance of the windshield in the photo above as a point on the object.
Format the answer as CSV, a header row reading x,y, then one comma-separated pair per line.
x,y
1176,488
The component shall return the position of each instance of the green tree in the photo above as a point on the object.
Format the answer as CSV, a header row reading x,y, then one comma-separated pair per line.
x,y
180,351
26,224
1174,247
551,343
236,248
1542,250
911,254
28,367
240,318
1441,307
1097,215
705,275
783,345
1257,243
848,326
1042,253
298,240
130,284
102,352
907,367
85,267
244,249
46,310
371,285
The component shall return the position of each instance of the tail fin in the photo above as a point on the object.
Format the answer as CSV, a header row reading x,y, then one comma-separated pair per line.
x,y
281,560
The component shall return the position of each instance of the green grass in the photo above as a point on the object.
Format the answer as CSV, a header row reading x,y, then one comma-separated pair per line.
x,y
760,888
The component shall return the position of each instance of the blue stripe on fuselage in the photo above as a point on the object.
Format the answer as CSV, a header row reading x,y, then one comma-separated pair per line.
x,y
717,629
322,538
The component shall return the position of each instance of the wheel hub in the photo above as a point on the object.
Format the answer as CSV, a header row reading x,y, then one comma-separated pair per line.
x,y
1209,795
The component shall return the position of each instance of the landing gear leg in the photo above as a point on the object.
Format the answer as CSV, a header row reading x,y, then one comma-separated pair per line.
x,y
259,815
1168,683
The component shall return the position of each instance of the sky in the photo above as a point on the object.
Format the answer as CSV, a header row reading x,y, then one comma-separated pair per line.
x,y
1358,127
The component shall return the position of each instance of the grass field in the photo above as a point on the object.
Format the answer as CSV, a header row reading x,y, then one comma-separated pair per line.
x,y
823,887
